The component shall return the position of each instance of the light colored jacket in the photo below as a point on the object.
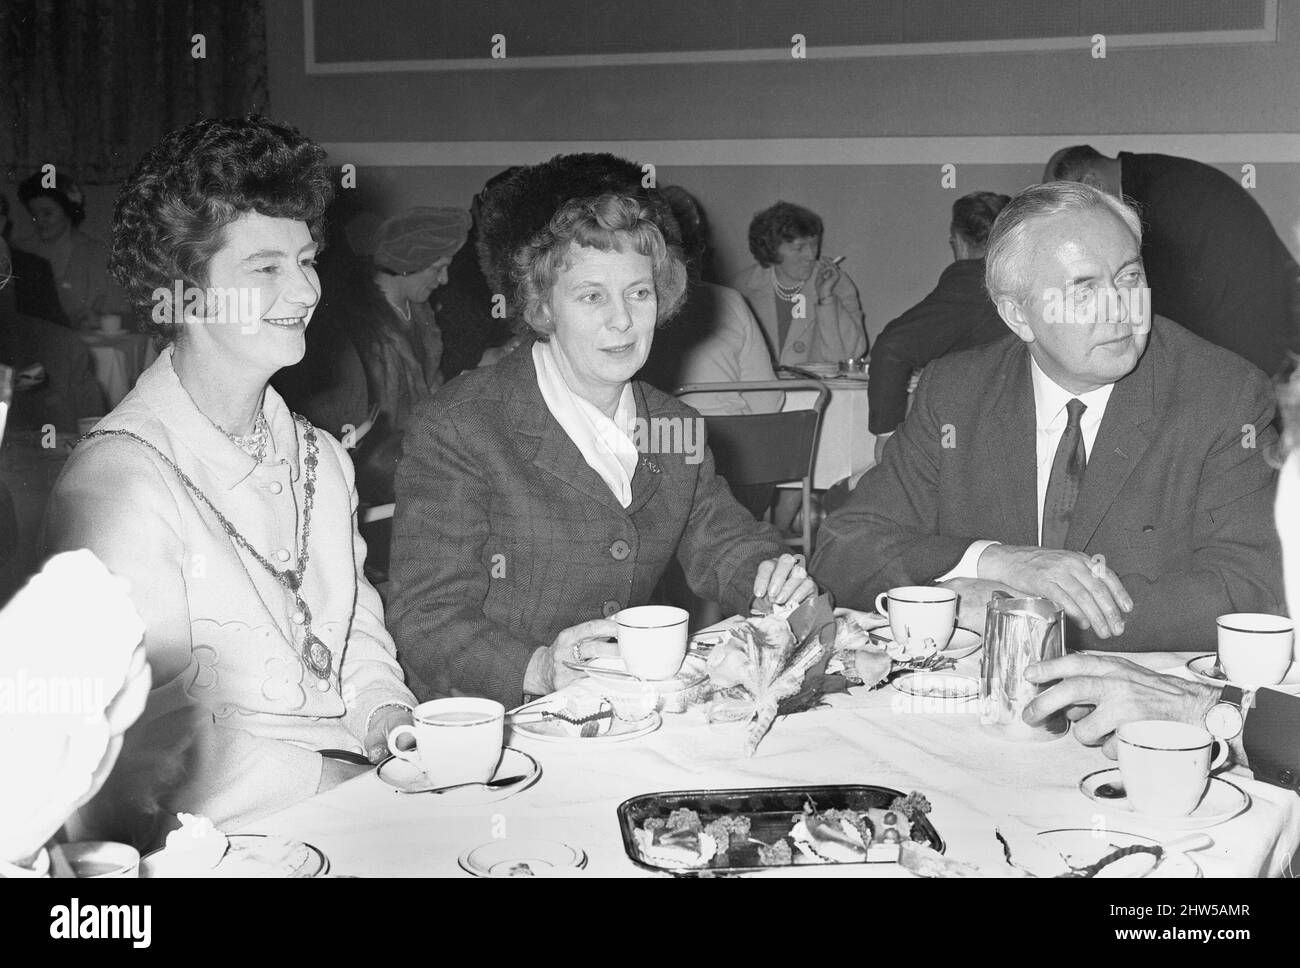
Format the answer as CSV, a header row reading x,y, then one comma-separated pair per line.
x,y
830,331
221,635
734,351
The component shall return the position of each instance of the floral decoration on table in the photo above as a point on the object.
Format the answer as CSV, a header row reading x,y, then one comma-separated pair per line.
x,y
784,659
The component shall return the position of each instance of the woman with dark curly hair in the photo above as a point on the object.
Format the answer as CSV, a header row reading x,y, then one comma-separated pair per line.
x,y
808,306
231,517
539,496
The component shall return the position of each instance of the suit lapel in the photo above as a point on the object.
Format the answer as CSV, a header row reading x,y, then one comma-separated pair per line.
x,y
1121,442
556,454
1012,445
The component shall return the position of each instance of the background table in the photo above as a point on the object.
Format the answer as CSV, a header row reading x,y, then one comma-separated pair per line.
x,y
845,447
118,359
975,782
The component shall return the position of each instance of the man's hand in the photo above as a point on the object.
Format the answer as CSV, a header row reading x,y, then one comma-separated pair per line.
x,y
973,597
1102,693
1091,594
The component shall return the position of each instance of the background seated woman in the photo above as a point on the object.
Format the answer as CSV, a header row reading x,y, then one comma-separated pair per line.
x,y
526,515
808,306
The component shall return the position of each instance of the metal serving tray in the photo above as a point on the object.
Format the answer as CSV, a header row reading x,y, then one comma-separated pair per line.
x,y
770,811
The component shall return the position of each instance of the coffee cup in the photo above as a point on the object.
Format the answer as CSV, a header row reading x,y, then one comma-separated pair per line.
x,y
110,323
919,612
457,740
1166,765
652,640
1255,649
99,859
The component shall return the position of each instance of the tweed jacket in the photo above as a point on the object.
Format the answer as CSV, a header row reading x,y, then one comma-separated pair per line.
x,y
504,536
221,633
1177,494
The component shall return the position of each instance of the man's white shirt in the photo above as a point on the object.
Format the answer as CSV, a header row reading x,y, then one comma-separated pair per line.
x,y
1050,418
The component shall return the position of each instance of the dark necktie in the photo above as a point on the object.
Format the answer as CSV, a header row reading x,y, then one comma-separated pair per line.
x,y
1066,479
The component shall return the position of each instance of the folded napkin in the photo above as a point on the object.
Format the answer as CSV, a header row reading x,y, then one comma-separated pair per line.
x,y
68,644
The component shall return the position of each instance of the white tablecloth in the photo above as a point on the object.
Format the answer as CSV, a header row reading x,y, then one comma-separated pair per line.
x,y
974,781
845,447
118,360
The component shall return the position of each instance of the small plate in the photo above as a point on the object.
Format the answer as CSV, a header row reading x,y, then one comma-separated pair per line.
x,y
937,685
521,858
405,777
284,858
553,732
1222,801
1203,667
964,642
1081,846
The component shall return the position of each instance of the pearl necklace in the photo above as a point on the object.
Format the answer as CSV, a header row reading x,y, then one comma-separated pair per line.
x,y
255,443
786,292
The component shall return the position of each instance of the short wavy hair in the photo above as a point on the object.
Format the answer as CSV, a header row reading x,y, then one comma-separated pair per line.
x,y
783,222
1005,256
973,216
65,193
606,222
170,214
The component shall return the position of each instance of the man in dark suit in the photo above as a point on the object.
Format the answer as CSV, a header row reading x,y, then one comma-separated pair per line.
x,y
1108,461
1262,726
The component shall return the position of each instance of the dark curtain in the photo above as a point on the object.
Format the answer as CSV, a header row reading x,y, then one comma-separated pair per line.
x,y
90,85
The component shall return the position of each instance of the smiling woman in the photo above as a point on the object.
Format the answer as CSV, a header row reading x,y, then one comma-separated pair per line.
x,y
231,517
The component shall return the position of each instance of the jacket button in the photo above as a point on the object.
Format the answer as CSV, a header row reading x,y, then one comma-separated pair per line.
x,y
799,346
275,487
619,550
610,608
282,554
1148,529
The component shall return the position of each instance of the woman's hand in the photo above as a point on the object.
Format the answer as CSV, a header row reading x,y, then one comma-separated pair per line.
x,y
578,643
783,580
828,276
384,721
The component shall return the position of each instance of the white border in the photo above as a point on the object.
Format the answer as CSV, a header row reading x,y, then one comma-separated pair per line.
x,y
1266,34
1014,150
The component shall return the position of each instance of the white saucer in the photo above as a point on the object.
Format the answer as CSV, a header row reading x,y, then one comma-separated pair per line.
x,y
692,673
556,732
522,858
405,777
1080,846
1203,665
964,642
1223,800
947,686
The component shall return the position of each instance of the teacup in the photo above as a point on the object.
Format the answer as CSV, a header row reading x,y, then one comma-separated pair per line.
x,y
100,858
1255,649
652,640
1166,766
110,323
457,740
918,612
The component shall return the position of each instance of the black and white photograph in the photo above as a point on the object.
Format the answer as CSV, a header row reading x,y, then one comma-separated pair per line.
x,y
745,439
